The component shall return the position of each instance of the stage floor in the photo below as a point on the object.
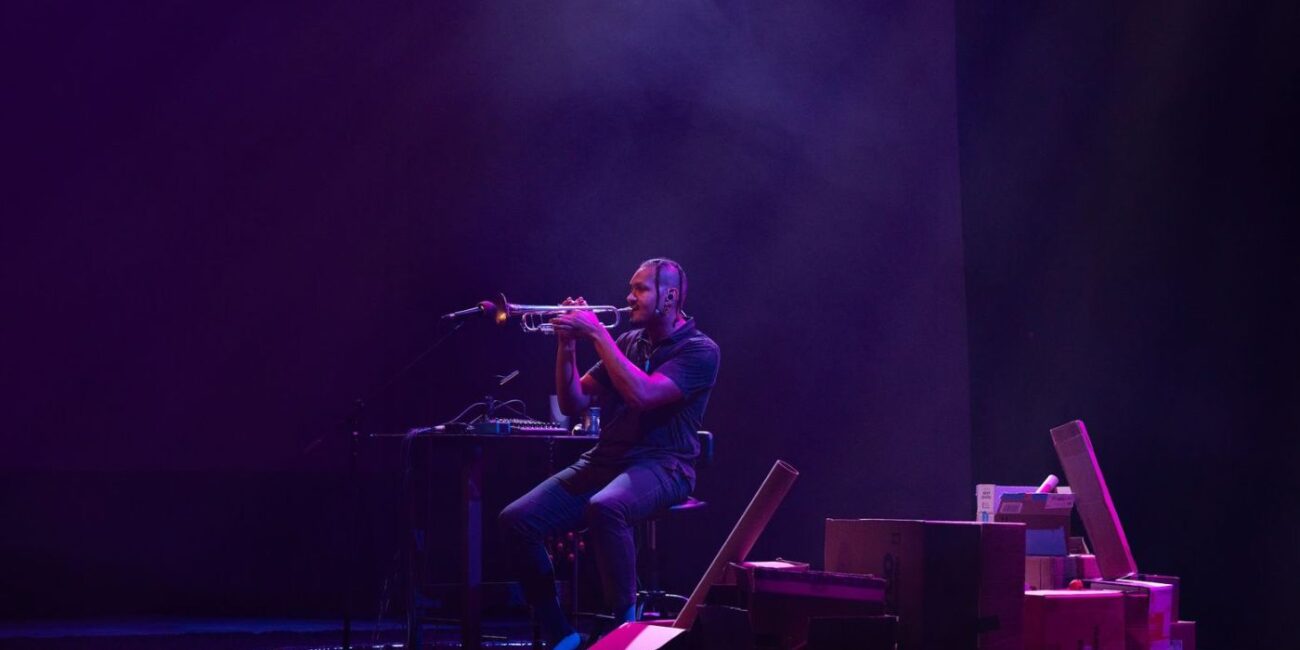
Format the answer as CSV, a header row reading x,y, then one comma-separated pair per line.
x,y
240,634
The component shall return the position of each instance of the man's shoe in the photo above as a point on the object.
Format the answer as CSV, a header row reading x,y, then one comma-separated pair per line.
x,y
573,641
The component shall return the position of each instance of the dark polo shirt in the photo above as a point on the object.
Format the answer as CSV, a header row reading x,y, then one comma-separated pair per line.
x,y
666,434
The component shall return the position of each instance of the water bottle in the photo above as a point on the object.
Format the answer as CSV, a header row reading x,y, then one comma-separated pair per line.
x,y
591,421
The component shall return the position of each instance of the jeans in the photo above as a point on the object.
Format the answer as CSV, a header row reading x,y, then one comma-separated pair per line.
x,y
609,502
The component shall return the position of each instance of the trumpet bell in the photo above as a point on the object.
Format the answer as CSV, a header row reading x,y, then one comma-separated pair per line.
x,y
536,318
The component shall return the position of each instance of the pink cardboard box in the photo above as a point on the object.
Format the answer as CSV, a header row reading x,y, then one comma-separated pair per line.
x,y
1182,635
1082,566
1149,613
1089,618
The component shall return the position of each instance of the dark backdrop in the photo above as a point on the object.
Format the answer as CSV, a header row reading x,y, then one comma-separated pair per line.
x,y
225,223
229,220
1128,187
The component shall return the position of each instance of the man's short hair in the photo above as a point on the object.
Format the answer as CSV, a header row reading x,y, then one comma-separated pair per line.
x,y
659,263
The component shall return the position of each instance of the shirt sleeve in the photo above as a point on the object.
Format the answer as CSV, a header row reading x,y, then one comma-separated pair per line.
x,y
694,368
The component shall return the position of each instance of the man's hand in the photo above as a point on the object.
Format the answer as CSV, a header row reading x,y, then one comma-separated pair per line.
x,y
575,325
563,336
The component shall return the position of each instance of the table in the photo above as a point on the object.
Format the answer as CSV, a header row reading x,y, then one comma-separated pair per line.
x,y
468,448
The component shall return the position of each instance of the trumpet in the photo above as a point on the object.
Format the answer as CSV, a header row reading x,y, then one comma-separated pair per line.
x,y
536,318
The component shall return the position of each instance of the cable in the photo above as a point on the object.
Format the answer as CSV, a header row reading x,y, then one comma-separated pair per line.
x,y
462,413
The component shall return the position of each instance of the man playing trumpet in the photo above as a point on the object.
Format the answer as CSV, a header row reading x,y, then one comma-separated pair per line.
x,y
653,385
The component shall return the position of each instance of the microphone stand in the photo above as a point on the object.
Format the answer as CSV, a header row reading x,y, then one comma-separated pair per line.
x,y
352,489
353,494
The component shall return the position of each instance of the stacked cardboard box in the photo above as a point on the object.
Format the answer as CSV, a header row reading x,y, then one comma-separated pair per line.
x,y
1182,635
1045,572
1055,619
1147,605
988,496
953,585
1148,613
1082,566
1046,517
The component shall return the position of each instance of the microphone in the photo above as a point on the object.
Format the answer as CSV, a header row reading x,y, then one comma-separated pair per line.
x,y
483,307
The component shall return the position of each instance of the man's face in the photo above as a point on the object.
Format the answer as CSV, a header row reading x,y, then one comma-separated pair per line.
x,y
641,296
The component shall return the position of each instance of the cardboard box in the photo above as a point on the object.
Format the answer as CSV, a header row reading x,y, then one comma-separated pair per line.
x,y
953,584
1082,567
1074,448
1077,545
989,495
1045,572
729,576
1182,635
1175,613
1148,611
1046,518
850,633
1055,619
781,603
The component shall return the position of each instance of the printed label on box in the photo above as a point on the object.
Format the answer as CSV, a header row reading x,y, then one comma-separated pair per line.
x,y
1057,501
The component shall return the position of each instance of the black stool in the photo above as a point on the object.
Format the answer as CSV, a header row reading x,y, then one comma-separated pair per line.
x,y
652,596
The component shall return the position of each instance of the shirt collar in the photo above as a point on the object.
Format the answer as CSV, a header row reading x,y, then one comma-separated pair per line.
x,y
687,328
681,333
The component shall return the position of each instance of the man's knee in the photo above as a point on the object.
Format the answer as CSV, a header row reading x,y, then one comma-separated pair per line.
x,y
606,512
513,521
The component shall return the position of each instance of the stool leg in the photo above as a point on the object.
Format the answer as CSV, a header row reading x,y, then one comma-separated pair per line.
x,y
651,596
652,541
649,592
